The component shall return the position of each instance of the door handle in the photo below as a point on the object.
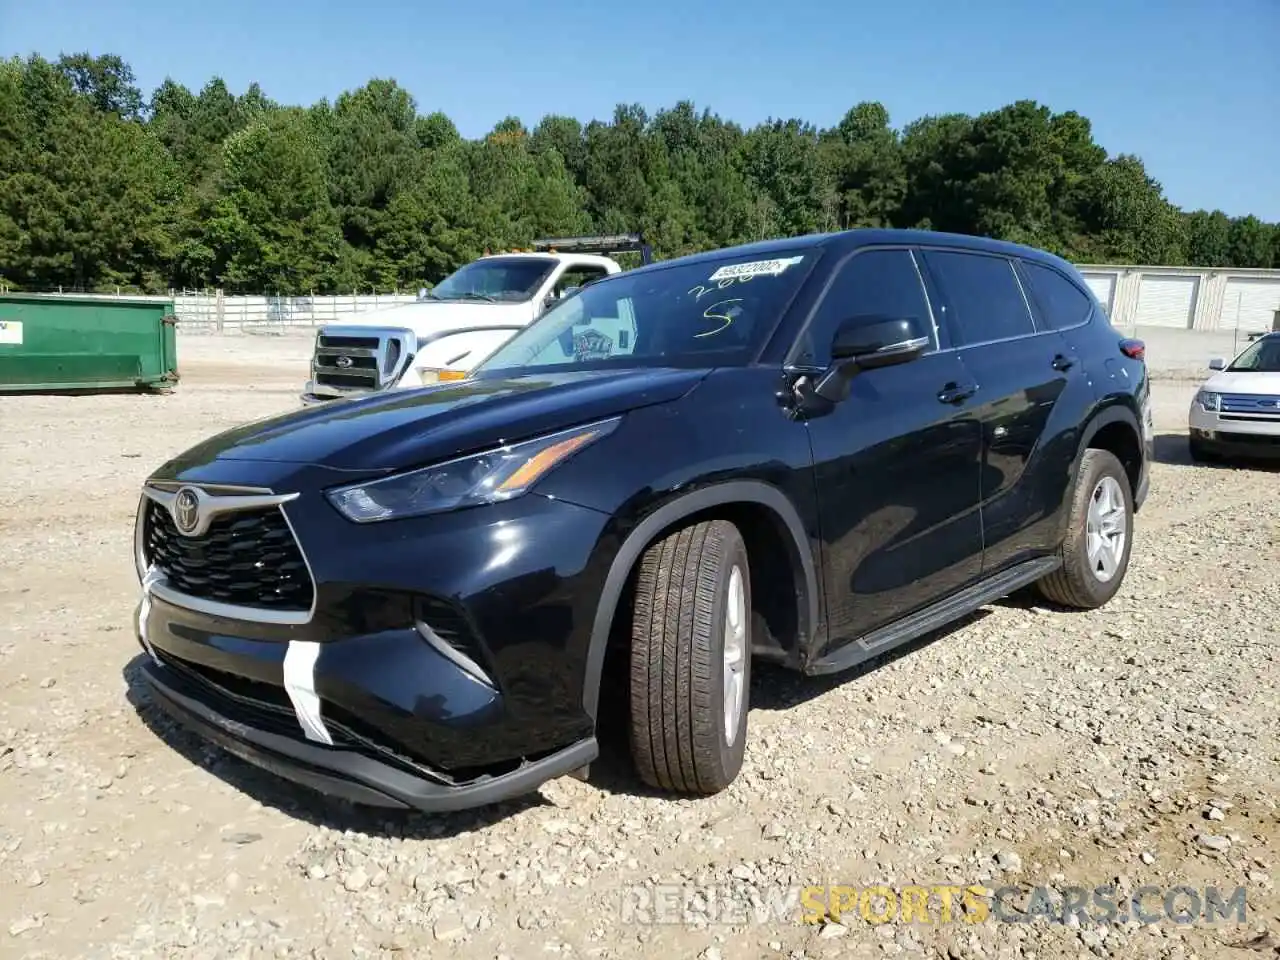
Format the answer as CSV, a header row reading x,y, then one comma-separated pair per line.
x,y
1061,362
957,392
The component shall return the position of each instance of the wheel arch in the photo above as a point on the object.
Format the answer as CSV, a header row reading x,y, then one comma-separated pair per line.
x,y
721,500
1117,429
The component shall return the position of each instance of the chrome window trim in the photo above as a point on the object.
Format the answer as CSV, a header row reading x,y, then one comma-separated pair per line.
x,y
913,250
229,499
988,343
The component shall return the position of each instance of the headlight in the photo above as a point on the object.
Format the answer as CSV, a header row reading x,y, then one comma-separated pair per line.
x,y
487,477
1210,401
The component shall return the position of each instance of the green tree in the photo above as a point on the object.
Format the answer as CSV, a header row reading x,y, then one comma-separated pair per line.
x,y
100,187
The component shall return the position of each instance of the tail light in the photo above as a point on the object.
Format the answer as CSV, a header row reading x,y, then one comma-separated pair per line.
x,y
1133,349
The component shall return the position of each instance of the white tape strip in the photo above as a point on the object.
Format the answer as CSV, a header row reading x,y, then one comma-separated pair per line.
x,y
756,268
144,613
300,683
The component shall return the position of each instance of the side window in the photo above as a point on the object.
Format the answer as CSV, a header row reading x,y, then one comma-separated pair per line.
x,y
883,283
576,276
984,300
1061,302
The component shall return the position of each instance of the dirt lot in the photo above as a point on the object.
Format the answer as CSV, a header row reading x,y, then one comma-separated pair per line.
x,y
1027,746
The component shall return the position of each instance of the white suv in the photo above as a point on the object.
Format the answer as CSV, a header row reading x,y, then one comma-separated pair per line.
x,y
1237,411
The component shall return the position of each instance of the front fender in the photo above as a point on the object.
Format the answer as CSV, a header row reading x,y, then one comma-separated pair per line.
x,y
671,512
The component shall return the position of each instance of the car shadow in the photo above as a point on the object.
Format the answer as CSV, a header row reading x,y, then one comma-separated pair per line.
x,y
303,803
1172,448
774,687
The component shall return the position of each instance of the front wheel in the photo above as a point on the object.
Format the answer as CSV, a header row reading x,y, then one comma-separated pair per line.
x,y
1095,551
691,659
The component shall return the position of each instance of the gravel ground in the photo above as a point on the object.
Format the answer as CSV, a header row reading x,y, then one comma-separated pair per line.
x,y
1135,745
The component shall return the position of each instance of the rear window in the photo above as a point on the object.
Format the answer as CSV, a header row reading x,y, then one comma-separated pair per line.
x,y
1062,304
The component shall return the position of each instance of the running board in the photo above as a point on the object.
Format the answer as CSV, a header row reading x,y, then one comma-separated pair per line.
x,y
932,617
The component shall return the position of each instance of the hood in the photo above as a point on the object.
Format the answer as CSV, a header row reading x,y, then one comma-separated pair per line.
x,y
408,428
1244,382
427,316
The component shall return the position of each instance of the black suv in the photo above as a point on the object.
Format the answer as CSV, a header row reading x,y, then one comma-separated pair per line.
x,y
805,451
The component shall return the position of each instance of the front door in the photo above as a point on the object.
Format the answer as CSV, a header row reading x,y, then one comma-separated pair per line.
x,y
896,463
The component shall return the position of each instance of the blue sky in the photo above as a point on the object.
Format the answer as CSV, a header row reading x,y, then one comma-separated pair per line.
x,y
1191,87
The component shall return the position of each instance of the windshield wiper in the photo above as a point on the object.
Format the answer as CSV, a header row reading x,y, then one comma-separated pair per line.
x,y
475,296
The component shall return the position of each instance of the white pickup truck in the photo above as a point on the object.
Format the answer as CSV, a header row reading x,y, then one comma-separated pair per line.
x,y
462,320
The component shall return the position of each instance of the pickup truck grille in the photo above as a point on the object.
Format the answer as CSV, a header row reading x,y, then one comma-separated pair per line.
x,y
247,558
353,360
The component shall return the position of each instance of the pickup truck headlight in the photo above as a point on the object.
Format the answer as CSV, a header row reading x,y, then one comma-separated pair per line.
x,y
486,477
1209,401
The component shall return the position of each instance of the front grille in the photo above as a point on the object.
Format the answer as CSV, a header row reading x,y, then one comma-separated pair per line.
x,y
351,362
247,558
360,359
1253,404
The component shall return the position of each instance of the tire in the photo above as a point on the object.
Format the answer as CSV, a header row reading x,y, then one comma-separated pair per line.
x,y
685,585
1078,583
1201,453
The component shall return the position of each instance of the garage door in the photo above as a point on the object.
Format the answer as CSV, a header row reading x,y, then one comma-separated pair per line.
x,y
1166,301
1250,304
1103,286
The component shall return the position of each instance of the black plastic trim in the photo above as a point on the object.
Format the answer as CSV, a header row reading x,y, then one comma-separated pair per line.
x,y
722,494
947,610
354,776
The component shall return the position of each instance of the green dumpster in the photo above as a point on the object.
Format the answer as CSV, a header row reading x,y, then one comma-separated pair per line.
x,y
57,342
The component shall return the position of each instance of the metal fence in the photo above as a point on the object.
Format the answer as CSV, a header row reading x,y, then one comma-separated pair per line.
x,y
204,312
201,311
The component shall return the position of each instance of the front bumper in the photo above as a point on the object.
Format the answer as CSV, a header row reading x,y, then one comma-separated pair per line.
x,y
1233,434
346,773
452,650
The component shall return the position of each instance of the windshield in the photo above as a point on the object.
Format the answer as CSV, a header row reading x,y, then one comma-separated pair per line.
x,y
707,313
494,279
1262,357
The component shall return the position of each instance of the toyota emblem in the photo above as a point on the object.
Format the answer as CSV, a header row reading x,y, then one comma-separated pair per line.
x,y
343,362
186,510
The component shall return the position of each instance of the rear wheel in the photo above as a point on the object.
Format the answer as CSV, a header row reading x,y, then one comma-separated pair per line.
x,y
1095,551
691,659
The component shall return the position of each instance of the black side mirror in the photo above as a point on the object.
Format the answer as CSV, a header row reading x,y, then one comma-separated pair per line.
x,y
868,342
878,341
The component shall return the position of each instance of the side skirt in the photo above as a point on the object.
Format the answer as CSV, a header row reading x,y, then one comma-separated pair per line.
x,y
934,616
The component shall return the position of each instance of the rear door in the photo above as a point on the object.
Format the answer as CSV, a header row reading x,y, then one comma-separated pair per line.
x,y
1031,394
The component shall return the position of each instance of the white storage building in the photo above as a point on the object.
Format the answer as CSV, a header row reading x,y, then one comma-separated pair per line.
x,y
1186,298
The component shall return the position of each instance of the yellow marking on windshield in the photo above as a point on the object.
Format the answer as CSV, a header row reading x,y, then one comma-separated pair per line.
x,y
718,316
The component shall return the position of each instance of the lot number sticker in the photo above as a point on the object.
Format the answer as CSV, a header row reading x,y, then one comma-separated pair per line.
x,y
11,332
756,268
